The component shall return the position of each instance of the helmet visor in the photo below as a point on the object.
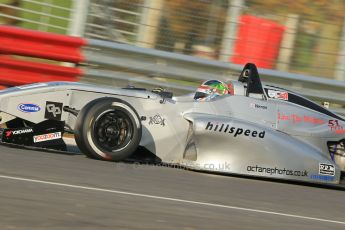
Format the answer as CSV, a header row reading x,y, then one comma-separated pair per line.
x,y
199,95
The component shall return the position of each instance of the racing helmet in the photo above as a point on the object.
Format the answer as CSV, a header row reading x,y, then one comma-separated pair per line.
x,y
210,89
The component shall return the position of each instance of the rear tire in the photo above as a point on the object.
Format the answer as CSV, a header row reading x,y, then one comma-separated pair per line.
x,y
108,129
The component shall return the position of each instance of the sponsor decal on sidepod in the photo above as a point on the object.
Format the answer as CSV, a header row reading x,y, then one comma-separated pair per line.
x,y
326,172
257,106
17,132
53,110
28,108
226,128
294,118
47,137
276,171
326,169
157,119
322,177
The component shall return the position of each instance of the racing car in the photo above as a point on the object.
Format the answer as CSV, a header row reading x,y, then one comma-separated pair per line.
x,y
254,130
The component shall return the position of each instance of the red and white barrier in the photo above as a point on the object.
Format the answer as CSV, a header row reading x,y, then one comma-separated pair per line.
x,y
16,42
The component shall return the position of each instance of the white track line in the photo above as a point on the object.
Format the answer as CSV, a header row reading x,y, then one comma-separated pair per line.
x,y
169,199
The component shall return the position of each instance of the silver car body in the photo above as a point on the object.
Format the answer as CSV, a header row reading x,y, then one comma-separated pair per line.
x,y
237,134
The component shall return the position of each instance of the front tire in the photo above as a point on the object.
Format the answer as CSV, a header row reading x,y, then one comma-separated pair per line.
x,y
108,129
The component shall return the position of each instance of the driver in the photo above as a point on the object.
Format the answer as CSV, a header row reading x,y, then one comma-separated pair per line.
x,y
211,89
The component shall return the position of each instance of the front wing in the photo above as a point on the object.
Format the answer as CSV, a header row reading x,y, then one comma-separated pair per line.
x,y
46,134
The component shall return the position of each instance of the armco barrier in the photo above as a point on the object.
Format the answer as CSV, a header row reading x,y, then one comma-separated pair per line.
x,y
33,44
18,72
107,59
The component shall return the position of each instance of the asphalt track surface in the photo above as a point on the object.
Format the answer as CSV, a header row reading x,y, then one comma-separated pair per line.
x,y
49,190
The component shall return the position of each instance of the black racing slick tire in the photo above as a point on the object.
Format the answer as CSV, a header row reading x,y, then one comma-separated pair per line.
x,y
108,129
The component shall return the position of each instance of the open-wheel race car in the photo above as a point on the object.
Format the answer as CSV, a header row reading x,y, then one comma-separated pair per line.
x,y
251,129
